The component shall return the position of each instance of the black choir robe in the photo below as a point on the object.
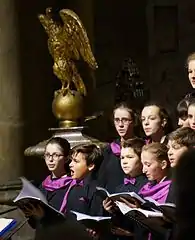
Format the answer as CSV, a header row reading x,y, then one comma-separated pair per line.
x,y
121,220
54,198
141,233
171,198
83,199
80,198
110,173
140,181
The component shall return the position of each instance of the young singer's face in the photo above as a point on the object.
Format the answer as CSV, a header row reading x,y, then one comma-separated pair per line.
x,y
152,167
54,158
191,72
78,166
183,122
130,162
123,122
151,121
175,152
191,116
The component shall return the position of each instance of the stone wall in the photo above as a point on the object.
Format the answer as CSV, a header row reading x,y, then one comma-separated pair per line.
x,y
171,39
11,121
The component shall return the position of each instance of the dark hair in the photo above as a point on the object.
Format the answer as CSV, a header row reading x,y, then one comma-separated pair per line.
x,y
134,114
135,143
62,142
191,102
92,153
159,149
182,108
64,147
184,136
163,114
126,106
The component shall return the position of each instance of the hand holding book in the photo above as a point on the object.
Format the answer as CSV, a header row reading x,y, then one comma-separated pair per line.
x,y
34,204
132,204
95,225
121,232
135,201
31,210
110,206
93,234
130,196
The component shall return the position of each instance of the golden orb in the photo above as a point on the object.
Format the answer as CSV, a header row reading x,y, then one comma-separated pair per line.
x,y
68,108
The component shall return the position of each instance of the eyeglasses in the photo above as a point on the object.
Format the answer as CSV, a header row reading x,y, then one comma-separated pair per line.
x,y
55,156
122,120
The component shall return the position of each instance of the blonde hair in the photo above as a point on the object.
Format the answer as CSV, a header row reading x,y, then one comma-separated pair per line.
x,y
190,57
159,149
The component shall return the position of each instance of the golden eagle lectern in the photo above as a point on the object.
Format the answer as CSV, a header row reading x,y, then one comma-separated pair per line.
x,y
67,43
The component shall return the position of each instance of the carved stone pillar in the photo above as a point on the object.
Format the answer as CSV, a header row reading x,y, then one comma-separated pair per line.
x,y
11,124
10,95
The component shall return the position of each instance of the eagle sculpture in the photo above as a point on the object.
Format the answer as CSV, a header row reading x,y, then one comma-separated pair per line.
x,y
67,43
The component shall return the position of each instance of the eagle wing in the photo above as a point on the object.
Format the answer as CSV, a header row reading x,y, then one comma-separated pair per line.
x,y
75,35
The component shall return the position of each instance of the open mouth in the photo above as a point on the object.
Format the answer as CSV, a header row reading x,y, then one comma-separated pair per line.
x,y
171,161
71,172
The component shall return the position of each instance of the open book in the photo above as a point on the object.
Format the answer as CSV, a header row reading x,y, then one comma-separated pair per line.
x,y
31,196
152,224
98,223
153,220
168,209
126,209
6,225
172,205
147,205
130,196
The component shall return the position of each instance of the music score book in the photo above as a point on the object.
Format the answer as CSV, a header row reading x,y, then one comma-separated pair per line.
x,y
32,196
130,196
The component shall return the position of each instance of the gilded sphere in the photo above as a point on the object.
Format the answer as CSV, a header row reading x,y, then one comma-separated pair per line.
x,y
68,108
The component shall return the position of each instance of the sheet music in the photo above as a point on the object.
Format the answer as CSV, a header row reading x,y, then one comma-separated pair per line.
x,y
81,216
30,191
